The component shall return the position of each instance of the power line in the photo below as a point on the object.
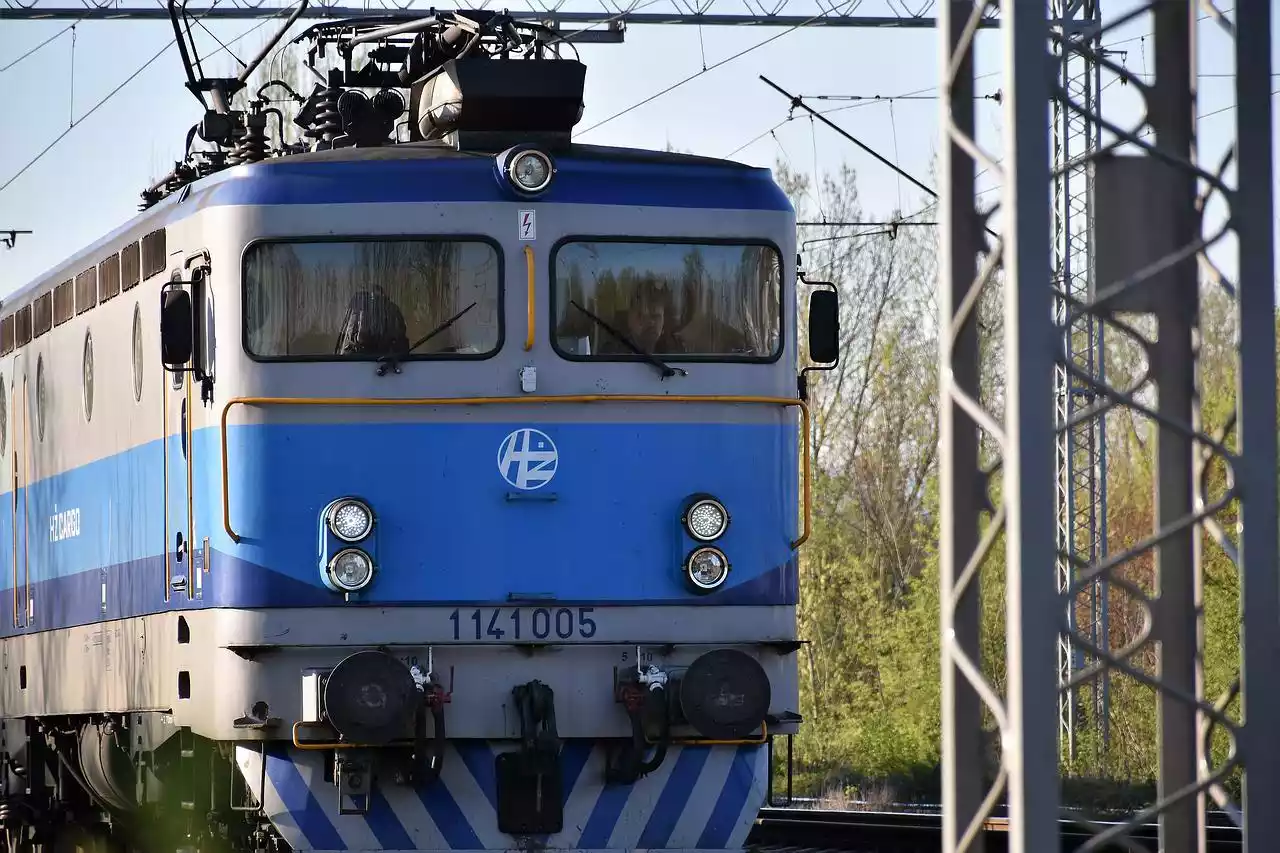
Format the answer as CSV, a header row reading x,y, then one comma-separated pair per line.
x,y
698,74
853,106
59,34
994,96
871,224
796,101
1204,17
112,93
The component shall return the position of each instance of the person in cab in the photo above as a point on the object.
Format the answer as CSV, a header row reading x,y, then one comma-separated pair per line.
x,y
374,325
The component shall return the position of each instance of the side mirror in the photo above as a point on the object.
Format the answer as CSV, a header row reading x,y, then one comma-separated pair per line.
x,y
824,326
176,324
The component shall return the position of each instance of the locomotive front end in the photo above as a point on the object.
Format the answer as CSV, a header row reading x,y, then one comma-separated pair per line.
x,y
537,577
514,478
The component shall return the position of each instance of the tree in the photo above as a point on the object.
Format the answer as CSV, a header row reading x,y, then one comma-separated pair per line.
x,y
868,601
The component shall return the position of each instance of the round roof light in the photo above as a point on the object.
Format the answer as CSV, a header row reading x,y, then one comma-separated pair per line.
x,y
530,171
706,519
706,568
350,519
350,570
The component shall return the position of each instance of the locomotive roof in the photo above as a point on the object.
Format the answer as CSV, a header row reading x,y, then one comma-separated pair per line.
x,y
176,205
440,151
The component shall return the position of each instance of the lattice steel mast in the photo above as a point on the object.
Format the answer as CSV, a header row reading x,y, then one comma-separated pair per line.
x,y
1158,254
1081,481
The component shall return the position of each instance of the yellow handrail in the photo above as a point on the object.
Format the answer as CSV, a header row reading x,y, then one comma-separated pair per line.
x,y
164,443
191,491
492,401
528,257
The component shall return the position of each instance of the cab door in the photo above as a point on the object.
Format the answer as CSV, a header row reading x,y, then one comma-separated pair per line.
x,y
179,511
19,474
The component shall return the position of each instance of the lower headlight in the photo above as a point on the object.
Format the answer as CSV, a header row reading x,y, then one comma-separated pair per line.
x,y
350,569
706,568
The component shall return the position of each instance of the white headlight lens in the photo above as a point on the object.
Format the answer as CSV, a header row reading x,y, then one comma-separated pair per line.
x,y
531,171
707,568
706,520
351,569
350,520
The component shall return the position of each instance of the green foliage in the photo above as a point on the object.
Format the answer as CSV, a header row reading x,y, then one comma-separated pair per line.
x,y
870,598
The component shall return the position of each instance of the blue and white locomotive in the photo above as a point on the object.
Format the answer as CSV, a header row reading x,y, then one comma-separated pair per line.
x,y
435,494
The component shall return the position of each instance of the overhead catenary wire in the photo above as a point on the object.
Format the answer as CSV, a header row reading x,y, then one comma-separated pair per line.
x,y
124,83
705,69
796,101
883,223
59,34
861,101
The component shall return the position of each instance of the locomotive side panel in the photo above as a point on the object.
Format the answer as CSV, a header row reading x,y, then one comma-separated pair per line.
x,y
91,537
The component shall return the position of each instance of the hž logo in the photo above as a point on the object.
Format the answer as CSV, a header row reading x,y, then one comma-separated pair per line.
x,y
528,459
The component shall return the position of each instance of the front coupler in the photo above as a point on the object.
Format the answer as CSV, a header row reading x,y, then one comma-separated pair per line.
x,y
530,786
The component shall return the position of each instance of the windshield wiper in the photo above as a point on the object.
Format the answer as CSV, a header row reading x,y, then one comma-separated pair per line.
x,y
393,361
667,370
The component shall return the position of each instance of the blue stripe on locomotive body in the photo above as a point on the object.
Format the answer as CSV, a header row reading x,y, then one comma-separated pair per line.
x,y
473,180
699,798
605,529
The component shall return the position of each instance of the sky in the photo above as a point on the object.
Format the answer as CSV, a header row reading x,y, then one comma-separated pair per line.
x,y
88,183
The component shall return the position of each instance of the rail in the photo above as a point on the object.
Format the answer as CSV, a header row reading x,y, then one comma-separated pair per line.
x,y
900,832
419,402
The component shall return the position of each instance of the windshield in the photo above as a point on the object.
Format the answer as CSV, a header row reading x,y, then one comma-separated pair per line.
x,y
675,300
368,299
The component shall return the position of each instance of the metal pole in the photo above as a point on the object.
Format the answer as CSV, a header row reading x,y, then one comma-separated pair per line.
x,y
1256,402
961,486
1174,370
1029,742
1081,450
1100,545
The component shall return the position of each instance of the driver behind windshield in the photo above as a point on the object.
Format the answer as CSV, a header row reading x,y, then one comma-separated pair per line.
x,y
649,321
374,325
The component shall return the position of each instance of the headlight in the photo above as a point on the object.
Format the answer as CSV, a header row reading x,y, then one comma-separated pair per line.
x,y
706,519
350,519
530,171
706,568
351,569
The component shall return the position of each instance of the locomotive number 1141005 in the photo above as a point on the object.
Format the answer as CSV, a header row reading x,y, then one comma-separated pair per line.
x,y
508,624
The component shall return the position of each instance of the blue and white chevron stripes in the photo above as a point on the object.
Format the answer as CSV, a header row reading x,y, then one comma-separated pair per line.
x,y
700,798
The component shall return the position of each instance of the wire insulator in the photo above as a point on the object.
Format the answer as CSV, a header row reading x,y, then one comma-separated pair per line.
x,y
234,143
328,123
252,147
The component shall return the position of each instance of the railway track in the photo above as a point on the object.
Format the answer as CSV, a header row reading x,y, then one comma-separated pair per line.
x,y
797,830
